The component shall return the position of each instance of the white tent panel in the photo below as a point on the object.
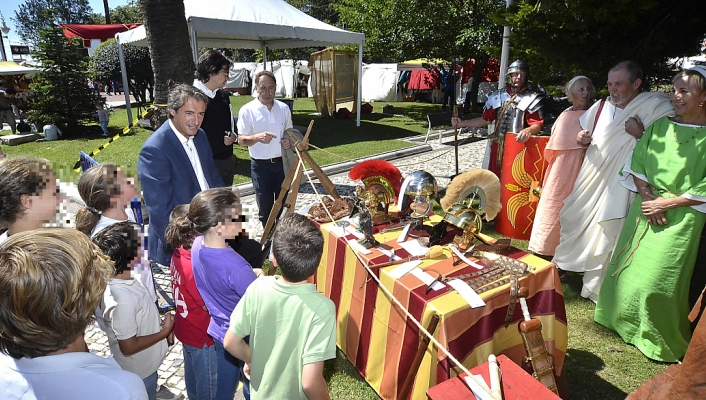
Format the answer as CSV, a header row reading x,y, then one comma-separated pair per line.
x,y
286,72
253,24
380,82
239,75
260,24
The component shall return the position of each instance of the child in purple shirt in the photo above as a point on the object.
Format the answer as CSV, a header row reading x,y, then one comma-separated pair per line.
x,y
221,274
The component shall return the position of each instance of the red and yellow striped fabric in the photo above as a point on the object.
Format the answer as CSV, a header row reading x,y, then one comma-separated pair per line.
x,y
377,338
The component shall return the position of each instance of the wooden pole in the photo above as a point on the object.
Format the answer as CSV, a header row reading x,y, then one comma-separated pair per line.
x,y
323,178
407,386
294,173
455,114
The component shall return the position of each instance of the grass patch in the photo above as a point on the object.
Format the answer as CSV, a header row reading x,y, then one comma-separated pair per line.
x,y
378,133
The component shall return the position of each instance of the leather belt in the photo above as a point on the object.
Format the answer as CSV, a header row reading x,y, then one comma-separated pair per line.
x,y
269,160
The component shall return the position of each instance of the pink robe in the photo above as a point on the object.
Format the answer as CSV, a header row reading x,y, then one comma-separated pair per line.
x,y
564,156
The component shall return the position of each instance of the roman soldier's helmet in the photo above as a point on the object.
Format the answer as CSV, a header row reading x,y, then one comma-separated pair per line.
x,y
518,66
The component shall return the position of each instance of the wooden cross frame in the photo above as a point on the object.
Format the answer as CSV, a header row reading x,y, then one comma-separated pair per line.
x,y
290,184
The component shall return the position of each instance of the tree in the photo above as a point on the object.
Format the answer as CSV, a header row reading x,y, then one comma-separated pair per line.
x,y
105,65
30,17
61,96
129,13
168,41
444,29
588,37
323,10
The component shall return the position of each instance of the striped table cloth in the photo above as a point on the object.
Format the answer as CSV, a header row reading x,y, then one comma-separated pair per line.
x,y
377,338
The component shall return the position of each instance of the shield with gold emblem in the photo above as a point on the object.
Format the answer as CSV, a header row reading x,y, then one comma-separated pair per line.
x,y
521,178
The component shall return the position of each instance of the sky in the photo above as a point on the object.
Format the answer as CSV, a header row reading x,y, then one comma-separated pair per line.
x,y
8,8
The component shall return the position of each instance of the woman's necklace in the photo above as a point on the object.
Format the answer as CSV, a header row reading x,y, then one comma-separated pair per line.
x,y
698,130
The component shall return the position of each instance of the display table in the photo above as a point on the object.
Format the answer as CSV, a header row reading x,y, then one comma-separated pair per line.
x,y
377,338
516,384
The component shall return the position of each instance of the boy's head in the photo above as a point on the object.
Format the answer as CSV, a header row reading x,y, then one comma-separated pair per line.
x,y
120,242
99,106
297,247
51,281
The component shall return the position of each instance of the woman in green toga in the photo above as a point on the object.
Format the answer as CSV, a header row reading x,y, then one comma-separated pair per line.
x,y
644,297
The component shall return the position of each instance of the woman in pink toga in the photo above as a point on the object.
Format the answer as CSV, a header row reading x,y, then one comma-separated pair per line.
x,y
564,156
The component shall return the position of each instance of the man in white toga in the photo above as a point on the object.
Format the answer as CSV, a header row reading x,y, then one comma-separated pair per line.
x,y
594,213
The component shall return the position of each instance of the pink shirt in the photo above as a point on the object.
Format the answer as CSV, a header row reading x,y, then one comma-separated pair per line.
x,y
565,130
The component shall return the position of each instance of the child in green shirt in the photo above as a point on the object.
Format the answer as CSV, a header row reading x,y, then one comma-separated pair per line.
x,y
292,327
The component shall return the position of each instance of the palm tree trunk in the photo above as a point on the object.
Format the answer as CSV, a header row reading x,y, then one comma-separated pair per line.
x,y
170,49
106,7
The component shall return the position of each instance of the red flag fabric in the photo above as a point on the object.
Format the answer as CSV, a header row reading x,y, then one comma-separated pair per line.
x,y
523,169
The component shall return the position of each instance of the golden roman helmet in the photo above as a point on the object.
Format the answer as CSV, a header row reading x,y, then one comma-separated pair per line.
x,y
381,183
470,196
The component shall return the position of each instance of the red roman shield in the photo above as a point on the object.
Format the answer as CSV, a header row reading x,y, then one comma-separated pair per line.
x,y
523,170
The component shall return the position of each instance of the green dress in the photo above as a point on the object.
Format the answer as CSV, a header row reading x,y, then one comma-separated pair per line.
x,y
644,297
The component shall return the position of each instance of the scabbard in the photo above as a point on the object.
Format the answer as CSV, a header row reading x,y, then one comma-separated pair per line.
x,y
537,354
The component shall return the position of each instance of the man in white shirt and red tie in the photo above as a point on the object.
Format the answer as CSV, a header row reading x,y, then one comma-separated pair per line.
x,y
262,124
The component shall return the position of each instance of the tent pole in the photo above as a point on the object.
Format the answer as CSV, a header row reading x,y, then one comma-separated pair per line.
x,y
126,88
194,49
360,82
264,56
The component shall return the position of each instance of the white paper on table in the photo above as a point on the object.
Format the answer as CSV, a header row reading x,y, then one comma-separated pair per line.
x,y
404,268
358,247
464,258
354,232
428,279
467,293
414,248
403,234
388,253
478,390
337,230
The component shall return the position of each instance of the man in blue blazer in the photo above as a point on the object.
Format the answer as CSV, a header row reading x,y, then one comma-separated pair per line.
x,y
175,164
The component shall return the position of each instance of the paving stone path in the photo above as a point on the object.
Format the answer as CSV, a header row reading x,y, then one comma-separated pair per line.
x,y
439,162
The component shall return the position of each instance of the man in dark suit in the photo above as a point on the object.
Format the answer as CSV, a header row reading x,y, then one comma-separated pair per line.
x,y
175,164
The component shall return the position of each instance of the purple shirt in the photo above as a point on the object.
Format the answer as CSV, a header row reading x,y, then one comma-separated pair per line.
x,y
221,276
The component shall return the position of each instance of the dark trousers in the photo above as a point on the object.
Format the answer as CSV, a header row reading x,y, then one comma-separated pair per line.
x,y
226,169
267,180
448,99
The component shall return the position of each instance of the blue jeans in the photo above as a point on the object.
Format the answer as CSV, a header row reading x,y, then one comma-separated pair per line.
x,y
151,386
229,373
267,181
104,126
200,371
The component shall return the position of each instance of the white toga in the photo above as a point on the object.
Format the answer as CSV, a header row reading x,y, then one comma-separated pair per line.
x,y
594,213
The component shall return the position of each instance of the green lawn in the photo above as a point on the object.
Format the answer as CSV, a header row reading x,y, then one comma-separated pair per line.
x,y
598,364
378,133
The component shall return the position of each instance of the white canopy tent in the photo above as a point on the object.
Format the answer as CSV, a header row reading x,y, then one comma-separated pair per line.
x,y
248,24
